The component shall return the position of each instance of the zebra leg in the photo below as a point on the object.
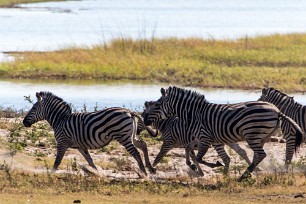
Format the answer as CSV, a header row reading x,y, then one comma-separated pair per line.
x,y
203,148
188,162
132,150
259,155
290,142
59,156
190,148
88,158
143,146
241,152
224,156
165,148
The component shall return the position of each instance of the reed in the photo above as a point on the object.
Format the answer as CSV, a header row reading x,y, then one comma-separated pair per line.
x,y
248,63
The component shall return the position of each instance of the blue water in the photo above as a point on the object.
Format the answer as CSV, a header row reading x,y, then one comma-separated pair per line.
x,y
50,26
101,94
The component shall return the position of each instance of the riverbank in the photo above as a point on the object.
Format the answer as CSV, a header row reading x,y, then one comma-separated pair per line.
x,y
12,3
27,154
248,63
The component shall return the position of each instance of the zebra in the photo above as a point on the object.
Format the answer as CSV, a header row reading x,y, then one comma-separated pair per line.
x,y
87,130
292,109
175,133
254,121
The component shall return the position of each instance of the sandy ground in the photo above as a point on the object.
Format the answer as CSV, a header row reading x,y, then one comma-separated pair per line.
x,y
173,166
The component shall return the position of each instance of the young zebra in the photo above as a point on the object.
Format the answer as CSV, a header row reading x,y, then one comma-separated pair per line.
x,y
292,109
254,121
177,134
85,131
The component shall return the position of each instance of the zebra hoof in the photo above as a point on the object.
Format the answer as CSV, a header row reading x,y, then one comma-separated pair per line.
x,y
240,179
219,164
244,177
200,173
152,170
193,167
52,170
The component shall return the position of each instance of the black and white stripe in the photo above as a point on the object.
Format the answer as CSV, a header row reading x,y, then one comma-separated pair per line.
x,y
177,134
85,131
255,122
290,108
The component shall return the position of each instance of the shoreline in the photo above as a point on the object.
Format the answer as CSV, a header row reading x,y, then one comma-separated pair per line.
x,y
277,61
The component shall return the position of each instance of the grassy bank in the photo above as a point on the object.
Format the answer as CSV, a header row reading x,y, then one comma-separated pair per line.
x,y
276,60
23,187
12,3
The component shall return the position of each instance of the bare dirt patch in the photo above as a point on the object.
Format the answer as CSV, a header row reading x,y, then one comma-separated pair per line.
x,y
115,162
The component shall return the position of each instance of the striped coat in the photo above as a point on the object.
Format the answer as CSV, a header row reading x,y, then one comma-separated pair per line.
x,y
177,134
253,122
85,131
292,109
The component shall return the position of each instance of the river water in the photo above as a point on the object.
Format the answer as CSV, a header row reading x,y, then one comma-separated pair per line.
x,y
101,94
54,25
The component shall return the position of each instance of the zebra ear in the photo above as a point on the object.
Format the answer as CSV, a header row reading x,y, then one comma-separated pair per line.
x,y
264,91
146,104
163,91
38,96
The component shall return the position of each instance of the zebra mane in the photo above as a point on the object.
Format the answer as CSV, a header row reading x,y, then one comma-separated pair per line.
x,y
49,95
273,90
278,91
174,91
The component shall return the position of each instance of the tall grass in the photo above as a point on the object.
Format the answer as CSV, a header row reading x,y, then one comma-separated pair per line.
x,y
276,60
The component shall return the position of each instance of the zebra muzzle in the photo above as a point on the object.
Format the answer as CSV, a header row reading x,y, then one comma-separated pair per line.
x,y
26,123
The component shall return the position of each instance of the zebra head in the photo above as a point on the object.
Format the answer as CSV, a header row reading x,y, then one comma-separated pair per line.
x,y
148,106
37,111
276,97
157,110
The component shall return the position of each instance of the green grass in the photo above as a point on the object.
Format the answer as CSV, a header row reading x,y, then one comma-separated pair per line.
x,y
276,60
12,3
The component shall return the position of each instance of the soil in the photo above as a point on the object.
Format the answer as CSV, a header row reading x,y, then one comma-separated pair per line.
x,y
117,163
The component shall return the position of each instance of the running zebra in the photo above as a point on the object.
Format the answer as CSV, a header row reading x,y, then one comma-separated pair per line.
x,y
174,134
292,109
254,121
85,131
177,134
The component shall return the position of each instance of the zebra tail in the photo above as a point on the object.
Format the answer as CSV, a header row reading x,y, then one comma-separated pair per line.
x,y
150,130
299,133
